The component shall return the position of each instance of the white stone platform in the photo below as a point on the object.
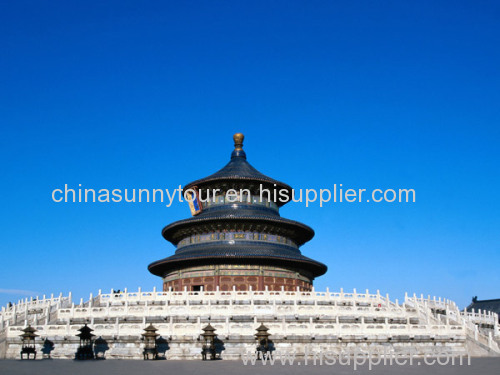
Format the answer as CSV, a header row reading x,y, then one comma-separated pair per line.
x,y
302,322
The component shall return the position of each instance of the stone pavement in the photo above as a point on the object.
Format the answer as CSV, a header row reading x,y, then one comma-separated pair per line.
x,y
483,366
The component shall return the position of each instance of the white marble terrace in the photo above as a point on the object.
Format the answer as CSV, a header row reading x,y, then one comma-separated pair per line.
x,y
293,318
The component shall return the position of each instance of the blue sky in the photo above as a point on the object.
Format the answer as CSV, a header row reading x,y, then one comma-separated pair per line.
x,y
148,94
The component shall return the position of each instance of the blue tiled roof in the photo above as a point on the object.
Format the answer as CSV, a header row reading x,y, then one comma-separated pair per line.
x,y
244,253
492,305
238,169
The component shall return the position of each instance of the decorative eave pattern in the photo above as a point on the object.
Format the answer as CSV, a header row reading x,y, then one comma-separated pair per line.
x,y
298,232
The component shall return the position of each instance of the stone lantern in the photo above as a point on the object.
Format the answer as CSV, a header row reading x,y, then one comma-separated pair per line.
x,y
262,337
85,350
150,350
28,338
208,349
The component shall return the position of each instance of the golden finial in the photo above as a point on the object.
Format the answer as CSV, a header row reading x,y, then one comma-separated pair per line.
x,y
238,141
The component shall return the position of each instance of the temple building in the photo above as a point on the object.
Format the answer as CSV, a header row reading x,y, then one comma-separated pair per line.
x,y
236,239
490,305
238,272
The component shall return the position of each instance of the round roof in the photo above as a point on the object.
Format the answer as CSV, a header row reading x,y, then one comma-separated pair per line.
x,y
239,170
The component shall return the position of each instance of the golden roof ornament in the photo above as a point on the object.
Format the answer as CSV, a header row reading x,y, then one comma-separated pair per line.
x,y
238,141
